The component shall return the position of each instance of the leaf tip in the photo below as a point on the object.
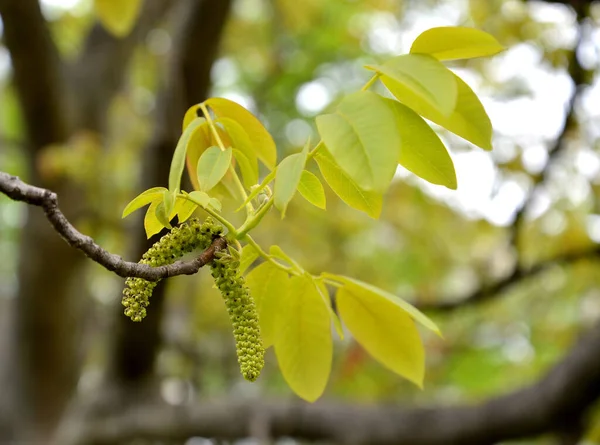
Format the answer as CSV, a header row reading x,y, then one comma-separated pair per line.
x,y
452,184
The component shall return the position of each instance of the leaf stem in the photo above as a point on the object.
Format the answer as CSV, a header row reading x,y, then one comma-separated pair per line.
x,y
247,238
253,221
313,152
332,282
371,81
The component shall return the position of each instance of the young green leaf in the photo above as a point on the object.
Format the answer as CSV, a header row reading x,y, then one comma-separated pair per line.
x,y
277,252
363,139
151,223
248,168
303,344
184,208
248,256
469,119
384,330
455,42
361,287
421,151
346,188
324,293
287,178
190,115
198,143
200,198
240,141
215,204
143,199
261,140
423,77
212,166
178,161
269,286
312,190
169,203
118,16
162,216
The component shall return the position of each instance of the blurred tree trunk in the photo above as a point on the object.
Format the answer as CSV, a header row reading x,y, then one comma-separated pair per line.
x,y
41,355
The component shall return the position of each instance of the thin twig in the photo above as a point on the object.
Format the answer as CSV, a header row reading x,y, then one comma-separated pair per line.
x,y
496,289
577,74
18,190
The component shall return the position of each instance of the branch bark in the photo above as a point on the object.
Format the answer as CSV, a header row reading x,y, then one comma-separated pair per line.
x,y
16,189
496,289
565,393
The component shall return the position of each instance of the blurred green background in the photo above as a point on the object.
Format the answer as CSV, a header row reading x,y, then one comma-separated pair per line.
x,y
288,61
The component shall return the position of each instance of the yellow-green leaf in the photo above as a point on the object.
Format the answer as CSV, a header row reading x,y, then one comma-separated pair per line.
x,y
421,150
303,344
247,257
118,16
362,287
312,190
269,286
200,198
151,223
178,161
248,168
324,293
169,203
346,188
262,142
241,141
198,143
212,166
384,330
144,198
184,208
425,78
215,204
362,138
287,178
190,115
162,216
277,252
456,42
469,119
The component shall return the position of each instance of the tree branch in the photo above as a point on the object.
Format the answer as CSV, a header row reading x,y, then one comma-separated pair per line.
x,y
516,277
577,74
565,393
17,190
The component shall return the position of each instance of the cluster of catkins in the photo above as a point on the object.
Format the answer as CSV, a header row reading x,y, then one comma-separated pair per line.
x,y
242,312
187,237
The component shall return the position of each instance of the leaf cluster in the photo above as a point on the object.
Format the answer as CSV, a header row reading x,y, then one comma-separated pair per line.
x,y
362,142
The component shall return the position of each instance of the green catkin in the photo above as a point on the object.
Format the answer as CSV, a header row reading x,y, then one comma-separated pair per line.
x,y
187,237
243,315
